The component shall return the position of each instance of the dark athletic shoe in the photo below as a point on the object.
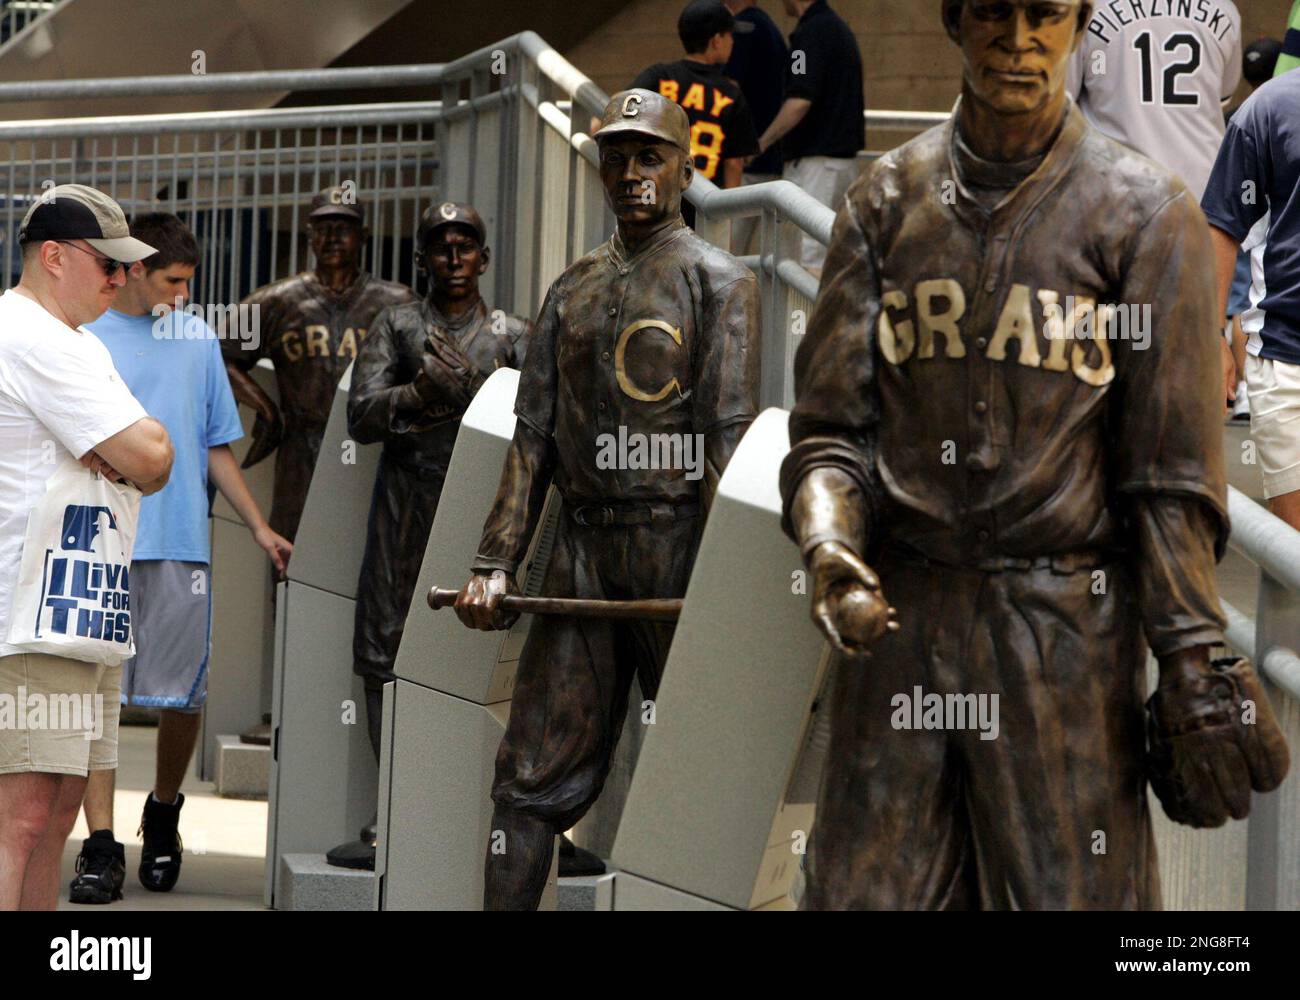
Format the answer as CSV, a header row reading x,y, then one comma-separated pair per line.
x,y
160,859
101,870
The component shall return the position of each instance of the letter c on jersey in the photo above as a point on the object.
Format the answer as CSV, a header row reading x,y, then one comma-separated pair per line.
x,y
629,387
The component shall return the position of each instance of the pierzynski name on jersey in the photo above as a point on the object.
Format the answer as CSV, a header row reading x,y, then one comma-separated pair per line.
x,y
1112,15
79,595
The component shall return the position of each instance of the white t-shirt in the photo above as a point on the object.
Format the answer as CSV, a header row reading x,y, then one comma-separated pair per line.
x,y
1155,74
59,396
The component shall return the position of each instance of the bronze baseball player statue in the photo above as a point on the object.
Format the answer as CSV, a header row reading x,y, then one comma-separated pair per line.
x,y
311,326
653,337
420,366
1008,418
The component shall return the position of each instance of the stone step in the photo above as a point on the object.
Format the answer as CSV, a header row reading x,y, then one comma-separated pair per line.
x,y
243,769
307,882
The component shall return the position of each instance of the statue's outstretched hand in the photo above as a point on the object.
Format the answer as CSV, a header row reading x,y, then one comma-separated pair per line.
x,y
848,605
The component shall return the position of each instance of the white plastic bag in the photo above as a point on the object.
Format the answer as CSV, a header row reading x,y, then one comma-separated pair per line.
x,y
74,591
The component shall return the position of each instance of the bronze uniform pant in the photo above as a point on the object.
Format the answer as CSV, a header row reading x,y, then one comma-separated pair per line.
x,y
1052,814
574,675
397,533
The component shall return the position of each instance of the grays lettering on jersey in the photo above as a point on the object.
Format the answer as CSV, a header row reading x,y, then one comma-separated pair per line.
x,y
1155,75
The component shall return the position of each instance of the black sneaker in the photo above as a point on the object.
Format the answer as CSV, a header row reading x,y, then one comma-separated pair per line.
x,y
101,870
160,858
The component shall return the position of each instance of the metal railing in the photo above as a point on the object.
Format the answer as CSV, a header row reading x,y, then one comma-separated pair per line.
x,y
509,134
18,15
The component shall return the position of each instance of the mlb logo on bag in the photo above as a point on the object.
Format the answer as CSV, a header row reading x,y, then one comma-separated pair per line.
x,y
80,595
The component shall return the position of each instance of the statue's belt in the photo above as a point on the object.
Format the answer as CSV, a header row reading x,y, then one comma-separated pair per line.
x,y
624,512
1061,563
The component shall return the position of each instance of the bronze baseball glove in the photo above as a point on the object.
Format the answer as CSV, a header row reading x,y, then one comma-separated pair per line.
x,y
1212,740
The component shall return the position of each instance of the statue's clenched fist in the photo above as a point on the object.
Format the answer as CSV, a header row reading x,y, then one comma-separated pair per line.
x,y
479,604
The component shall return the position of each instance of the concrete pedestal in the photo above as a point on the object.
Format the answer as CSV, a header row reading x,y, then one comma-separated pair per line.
x,y
710,819
451,699
239,668
323,772
243,770
308,883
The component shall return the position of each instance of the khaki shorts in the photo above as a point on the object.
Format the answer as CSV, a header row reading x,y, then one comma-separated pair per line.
x,y
1273,389
58,716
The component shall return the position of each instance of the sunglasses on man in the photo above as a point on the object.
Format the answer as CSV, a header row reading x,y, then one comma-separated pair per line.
x,y
109,265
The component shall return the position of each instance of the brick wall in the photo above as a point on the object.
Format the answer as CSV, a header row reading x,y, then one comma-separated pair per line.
x,y
908,61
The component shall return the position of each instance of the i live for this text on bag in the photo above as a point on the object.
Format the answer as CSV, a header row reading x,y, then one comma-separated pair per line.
x,y
73,592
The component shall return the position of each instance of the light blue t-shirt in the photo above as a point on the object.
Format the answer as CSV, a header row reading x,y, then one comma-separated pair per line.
x,y
177,374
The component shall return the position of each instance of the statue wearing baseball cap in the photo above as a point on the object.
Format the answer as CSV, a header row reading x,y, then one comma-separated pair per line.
x,y
312,326
419,368
652,336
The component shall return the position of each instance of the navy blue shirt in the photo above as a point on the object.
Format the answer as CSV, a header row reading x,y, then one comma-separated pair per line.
x,y
825,68
1254,196
758,61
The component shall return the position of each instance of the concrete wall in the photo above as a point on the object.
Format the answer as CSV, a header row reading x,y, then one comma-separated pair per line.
x,y
908,61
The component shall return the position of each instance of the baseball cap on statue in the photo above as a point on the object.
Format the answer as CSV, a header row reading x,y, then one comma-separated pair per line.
x,y
450,213
337,200
77,212
646,113
706,18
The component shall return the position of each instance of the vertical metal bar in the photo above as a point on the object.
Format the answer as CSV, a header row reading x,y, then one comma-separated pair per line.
x,y
315,177
11,230
376,226
297,187
94,162
176,174
275,209
113,179
218,256
255,227
415,204
135,172
236,178
394,266
338,154
194,187
153,175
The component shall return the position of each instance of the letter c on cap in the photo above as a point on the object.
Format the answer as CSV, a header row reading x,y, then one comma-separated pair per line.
x,y
629,109
447,210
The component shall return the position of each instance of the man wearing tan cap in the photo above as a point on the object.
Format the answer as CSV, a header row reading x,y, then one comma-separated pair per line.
x,y
60,398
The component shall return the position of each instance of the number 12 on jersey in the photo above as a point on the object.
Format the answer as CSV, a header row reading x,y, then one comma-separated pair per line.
x,y
1170,95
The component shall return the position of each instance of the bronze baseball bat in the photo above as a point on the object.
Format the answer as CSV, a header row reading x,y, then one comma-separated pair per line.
x,y
649,609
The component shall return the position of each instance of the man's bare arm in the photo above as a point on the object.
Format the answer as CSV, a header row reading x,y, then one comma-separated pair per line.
x,y
142,453
791,114
1226,248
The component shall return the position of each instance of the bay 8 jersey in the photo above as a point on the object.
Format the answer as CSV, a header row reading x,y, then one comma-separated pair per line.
x,y
1157,75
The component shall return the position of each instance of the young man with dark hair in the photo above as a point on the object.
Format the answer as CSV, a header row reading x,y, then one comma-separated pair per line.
x,y
172,362
722,129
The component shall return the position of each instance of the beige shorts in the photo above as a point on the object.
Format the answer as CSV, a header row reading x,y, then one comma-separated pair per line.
x,y
58,716
1274,394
